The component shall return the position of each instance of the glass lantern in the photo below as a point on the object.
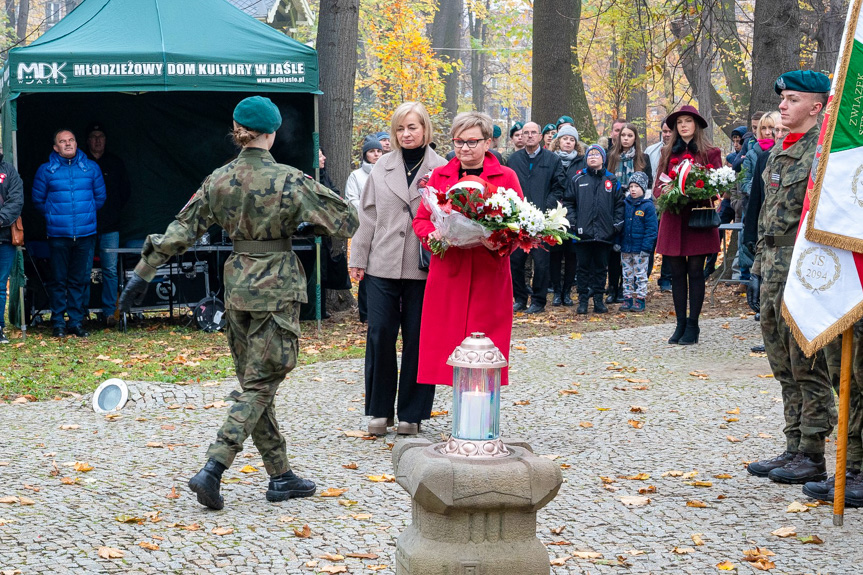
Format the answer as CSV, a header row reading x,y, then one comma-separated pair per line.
x,y
477,367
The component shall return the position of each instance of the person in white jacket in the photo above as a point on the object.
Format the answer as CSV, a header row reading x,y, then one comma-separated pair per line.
x,y
372,151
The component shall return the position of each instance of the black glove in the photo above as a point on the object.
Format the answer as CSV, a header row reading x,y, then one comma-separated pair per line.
x,y
133,293
753,293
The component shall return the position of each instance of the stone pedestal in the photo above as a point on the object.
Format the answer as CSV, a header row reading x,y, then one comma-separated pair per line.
x,y
473,516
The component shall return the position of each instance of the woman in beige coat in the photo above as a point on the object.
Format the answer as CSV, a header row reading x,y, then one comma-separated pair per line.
x,y
385,251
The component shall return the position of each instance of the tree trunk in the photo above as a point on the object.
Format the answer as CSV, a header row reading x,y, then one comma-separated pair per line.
x,y
636,105
23,16
775,50
705,82
478,33
580,108
446,36
337,56
552,61
828,34
731,57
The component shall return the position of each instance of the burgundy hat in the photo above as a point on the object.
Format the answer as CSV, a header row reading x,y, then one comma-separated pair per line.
x,y
671,120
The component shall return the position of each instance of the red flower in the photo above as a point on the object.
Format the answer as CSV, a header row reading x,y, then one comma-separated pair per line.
x,y
674,161
699,184
688,157
673,174
710,166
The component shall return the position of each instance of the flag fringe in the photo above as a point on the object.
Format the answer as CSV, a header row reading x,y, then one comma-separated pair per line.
x,y
810,348
847,243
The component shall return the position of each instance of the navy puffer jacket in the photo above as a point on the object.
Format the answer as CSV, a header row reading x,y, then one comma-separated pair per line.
x,y
640,227
69,192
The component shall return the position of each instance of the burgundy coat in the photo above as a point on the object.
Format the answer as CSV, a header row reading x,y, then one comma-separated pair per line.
x,y
468,290
676,238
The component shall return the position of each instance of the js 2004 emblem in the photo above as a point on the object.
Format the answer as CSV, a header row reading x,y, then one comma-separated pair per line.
x,y
857,186
818,268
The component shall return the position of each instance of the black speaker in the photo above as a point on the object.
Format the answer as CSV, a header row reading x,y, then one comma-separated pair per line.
x,y
184,284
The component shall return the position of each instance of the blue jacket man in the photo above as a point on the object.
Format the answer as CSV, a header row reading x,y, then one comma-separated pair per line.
x,y
69,190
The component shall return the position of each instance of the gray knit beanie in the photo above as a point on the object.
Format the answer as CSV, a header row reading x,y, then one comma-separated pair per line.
x,y
567,131
371,143
639,178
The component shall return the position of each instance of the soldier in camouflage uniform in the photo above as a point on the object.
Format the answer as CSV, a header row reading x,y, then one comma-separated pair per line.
x,y
807,394
260,204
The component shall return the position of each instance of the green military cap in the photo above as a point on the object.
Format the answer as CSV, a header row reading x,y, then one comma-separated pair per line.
x,y
548,128
259,114
802,81
565,120
517,127
495,133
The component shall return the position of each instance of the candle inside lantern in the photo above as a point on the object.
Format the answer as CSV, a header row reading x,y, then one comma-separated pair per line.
x,y
474,416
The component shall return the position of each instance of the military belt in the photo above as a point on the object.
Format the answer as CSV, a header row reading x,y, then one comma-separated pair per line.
x,y
263,246
773,241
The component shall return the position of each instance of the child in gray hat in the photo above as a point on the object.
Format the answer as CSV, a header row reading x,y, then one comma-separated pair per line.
x,y
639,237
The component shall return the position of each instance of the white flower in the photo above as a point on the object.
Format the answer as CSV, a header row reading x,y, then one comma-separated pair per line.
x,y
556,218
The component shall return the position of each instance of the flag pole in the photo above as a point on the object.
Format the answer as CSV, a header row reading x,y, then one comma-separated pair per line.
x,y
842,432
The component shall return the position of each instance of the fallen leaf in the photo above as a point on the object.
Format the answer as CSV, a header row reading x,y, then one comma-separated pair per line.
x,y
9,499
69,427
522,402
633,380
286,519
376,567
732,439
347,502
332,492
634,500
763,565
110,553
722,476
356,433
690,474
683,550
26,501
83,466
635,423
575,336
586,554
735,411
350,465
563,542
811,539
789,531
758,552
696,503
438,413
222,531
248,469
561,560
361,516
68,481
648,489
700,483
638,477
796,507
636,409
585,424
155,444
726,566
635,552
765,436
173,494
304,533
333,569
766,375
150,546
673,473
385,478
331,557
696,538
130,519
557,530
362,555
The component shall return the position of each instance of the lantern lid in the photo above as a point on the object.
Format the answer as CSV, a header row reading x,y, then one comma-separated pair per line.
x,y
477,352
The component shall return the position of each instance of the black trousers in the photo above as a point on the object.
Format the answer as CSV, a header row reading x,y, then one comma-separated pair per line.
x,y
362,301
393,305
562,259
615,273
541,275
592,267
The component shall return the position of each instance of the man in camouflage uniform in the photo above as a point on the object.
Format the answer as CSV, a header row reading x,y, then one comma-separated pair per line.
x,y
260,204
807,394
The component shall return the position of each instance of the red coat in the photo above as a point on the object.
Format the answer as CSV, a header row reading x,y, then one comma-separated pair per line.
x,y
676,238
468,290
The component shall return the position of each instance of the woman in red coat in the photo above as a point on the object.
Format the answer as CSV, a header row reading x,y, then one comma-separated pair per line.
x,y
686,248
468,290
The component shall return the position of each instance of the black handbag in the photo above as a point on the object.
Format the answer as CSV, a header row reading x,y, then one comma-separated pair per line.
x,y
424,255
704,218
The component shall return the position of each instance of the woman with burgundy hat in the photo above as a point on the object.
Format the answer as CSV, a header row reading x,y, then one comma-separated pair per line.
x,y
686,248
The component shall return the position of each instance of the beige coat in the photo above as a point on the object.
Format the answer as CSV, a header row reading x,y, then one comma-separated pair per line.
x,y
385,244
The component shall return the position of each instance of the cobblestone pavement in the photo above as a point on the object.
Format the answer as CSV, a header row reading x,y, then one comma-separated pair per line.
x,y
705,409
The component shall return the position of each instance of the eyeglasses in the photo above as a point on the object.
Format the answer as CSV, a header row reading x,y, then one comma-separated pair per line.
x,y
469,143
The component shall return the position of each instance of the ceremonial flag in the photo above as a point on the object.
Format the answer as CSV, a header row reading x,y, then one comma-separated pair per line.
x,y
824,291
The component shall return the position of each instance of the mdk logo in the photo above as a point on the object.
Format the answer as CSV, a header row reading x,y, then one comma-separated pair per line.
x,y
41,73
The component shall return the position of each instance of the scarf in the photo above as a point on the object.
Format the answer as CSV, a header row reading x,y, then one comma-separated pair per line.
x,y
680,146
625,166
766,143
367,167
567,158
790,140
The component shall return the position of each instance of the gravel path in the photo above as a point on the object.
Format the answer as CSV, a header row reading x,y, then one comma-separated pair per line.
x,y
703,409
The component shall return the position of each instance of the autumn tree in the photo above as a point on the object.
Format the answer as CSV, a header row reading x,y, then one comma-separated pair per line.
x,y
446,39
776,48
552,60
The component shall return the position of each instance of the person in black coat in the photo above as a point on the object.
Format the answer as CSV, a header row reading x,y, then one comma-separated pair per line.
x,y
595,209
541,175
571,152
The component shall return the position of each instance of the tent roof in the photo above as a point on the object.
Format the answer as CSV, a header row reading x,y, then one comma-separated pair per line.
x,y
147,45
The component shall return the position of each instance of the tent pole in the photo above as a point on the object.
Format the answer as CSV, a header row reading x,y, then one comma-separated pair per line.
x,y
317,165
15,148
842,431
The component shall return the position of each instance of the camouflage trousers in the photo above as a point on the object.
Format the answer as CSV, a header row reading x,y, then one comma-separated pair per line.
x,y
807,390
264,347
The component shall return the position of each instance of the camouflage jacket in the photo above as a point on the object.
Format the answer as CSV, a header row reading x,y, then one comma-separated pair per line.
x,y
785,180
254,198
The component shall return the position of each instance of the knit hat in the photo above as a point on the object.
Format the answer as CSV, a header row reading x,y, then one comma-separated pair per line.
x,y
565,120
639,178
515,128
592,147
548,128
259,114
495,133
371,143
382,136
567,131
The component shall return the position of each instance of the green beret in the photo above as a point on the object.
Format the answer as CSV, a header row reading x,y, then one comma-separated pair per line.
x,y
802,81
495,133
548,128
565,120
259,114
517,127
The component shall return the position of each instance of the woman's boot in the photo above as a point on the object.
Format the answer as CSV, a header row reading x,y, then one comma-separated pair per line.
x,y
690,335
678,333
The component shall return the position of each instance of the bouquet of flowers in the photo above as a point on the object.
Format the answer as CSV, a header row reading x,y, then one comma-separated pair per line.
x,y
475,213
691,181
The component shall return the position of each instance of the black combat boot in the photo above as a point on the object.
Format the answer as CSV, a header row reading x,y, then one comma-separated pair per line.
x,y
567,300
678,333
690,333
558,299
583,300
206,484
765,466
825,490
805,467
853,491
598,305
287,486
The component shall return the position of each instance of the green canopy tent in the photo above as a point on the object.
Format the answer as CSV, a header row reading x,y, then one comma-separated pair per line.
x,y
162,76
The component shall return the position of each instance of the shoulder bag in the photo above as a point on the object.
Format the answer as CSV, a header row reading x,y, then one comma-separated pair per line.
x,y
704,218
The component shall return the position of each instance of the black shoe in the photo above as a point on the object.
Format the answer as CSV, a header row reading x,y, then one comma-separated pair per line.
x,y
206,484
678,331
598,306
582,304
805,467
567,301
77,331
3,338
536,308
690,334
757,317
823,490
609,298
59,332
288,485
765,466
519,306
557,301
853,490
618,297
758,348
